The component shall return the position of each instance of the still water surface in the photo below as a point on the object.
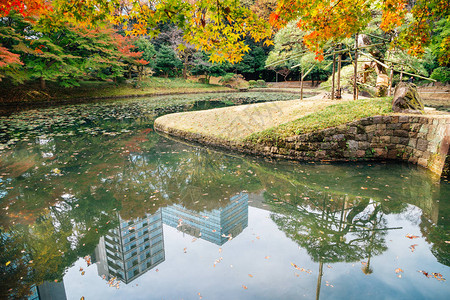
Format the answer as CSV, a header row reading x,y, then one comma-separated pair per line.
x,y
95,204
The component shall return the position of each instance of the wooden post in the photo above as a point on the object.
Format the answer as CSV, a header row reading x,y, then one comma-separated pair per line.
x,y
401,75
338,94
332,85
301,83
355,73
391,77
276,76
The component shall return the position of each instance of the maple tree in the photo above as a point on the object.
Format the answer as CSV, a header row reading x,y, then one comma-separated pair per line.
x,y
327,20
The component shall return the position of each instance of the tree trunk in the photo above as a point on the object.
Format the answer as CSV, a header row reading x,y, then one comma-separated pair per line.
x,y
407,99
338,93
333,76
42,82
355,70
185,67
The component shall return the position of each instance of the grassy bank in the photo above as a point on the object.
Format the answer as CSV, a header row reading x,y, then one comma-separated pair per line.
x,y
93,89
330,116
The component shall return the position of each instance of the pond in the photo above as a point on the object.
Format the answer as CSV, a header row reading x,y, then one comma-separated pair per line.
x,y
95,204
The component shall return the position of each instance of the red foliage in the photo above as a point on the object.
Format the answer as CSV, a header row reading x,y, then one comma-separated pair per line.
x,y
8,58
26,8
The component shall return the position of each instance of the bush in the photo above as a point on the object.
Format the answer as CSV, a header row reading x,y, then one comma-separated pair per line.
x,y
260,83
227,78
252,83
441,74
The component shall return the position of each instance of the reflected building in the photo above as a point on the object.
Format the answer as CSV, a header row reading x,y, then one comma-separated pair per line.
x,y
215,226
48,290
131,249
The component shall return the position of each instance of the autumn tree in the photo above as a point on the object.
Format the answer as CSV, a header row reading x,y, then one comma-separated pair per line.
x,y
326,21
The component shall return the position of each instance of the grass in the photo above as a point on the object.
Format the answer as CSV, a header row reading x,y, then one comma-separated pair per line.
x,y
330,116
99,89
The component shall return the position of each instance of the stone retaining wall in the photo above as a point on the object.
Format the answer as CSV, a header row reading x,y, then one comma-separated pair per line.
x,y
422,140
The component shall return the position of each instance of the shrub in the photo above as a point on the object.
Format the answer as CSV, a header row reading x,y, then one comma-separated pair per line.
x,y
252,83
227,78
261,83
441,74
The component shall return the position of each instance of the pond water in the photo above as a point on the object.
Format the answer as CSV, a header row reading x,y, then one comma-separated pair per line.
x,y
95,204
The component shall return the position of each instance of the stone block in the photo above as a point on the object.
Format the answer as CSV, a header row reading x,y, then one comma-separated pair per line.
x,y
422,144
325,146
412,143
412,160
360,153
361,137
395,139
321,154
421,135
385,139
366,121
352,145
423,162
338,137
406,126
371,128
363,145
381,126
380,132
392,154
394,126
401,133
387,119
380,152
377,120
415,127
352,130
395,119
403,119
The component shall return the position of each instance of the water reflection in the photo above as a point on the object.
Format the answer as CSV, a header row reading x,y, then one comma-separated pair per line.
x,y
216,226
131,249
107,189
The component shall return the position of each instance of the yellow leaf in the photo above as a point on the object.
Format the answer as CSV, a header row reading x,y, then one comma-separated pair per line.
x,y
8,262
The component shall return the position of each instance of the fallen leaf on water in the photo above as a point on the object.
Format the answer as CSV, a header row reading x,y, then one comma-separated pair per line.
x,y
250,275
329,267
438,276
267,257
413,247
409,236
82,273
82,298
185,250
398,270
244,287
220,250
7,263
